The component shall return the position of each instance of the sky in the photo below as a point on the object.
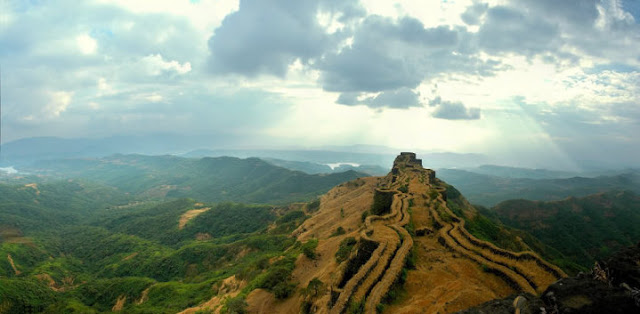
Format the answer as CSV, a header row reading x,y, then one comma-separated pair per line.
x,y
546,81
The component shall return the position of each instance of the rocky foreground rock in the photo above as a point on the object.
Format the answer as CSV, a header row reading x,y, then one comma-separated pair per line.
x,y
613,286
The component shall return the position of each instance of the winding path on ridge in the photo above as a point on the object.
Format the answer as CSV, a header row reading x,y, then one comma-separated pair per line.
x,y
375,277
522,272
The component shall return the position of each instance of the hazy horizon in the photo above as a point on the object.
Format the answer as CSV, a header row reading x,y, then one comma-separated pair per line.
x,y
525,82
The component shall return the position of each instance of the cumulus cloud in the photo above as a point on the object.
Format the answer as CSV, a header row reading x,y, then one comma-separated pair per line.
x,y
140,65
509,30
384,55
264,37
394,56
474,13
156,65
58,103
401,98
453,110
86,44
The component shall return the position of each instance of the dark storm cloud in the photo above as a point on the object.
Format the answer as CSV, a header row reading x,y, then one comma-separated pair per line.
x,y
265,37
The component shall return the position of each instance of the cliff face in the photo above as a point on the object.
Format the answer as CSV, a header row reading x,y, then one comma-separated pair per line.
x,y
398,231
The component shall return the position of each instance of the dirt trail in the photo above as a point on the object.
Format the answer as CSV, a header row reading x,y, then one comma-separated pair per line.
x,y
144,296
13,265
120,302
190,214
33,186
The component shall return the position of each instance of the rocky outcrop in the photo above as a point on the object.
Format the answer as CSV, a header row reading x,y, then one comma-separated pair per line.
x,y
611,287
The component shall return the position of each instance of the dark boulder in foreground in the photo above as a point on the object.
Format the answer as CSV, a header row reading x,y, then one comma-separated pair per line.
x,y
612,286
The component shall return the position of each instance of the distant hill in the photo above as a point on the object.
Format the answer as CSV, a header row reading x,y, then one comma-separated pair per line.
x,y
524,173
25,151
489,190
316,168
383,158
584,229
208,179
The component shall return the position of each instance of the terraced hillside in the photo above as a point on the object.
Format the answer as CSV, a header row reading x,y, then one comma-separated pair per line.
x,y
410,238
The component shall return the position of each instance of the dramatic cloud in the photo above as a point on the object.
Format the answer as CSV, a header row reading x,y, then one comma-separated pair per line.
x,y
266,37
453,110
384,55
508,30
312,72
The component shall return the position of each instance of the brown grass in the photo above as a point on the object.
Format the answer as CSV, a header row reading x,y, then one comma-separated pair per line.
x,y
120,302
33,186
144,296
13,265
190,214
130,256
449,274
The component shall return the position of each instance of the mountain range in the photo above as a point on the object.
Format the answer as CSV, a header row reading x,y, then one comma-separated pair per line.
x,y
158,234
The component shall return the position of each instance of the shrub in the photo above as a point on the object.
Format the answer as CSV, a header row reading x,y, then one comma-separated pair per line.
x,y
237,305
345,249
364,215
313,206
339,231
283,290
309,248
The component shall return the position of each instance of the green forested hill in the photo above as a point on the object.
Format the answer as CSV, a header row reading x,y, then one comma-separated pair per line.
x,y
209,179
584,229
83,256
489,190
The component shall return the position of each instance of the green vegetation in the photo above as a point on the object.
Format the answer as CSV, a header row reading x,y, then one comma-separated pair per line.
x,y
489,190
236,305
221,179
314,205
339,231
94,253
309,248
487,226
381,202
364,215
346,245
582,229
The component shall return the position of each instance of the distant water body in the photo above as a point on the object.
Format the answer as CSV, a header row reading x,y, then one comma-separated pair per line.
x,y
338,164
9,170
